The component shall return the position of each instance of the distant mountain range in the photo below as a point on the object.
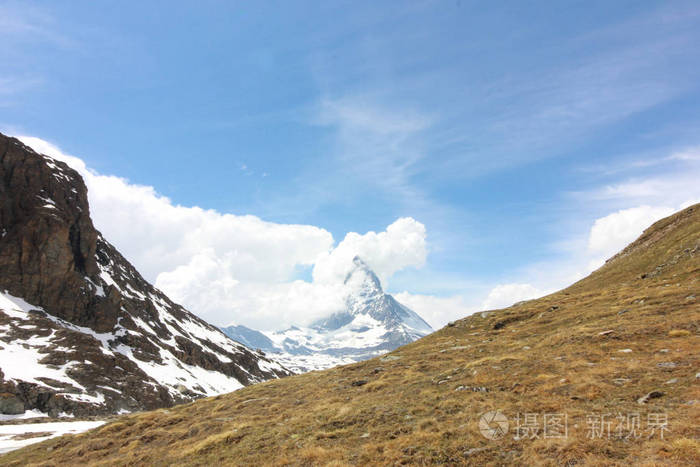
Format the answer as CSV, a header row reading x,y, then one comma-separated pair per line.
x,y
81,332
371,323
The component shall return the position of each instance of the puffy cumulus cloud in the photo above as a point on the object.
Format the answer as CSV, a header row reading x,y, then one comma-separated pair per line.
x,y
206,285
613,232
671,187
204,282
290,303
584,253
505,295
226,267
159,236
403,244
437,311
211,282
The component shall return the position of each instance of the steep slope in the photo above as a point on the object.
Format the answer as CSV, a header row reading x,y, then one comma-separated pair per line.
x,y
604,372
371,324
81,331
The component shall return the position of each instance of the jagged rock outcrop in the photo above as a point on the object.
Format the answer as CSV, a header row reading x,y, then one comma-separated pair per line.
x,y
80,330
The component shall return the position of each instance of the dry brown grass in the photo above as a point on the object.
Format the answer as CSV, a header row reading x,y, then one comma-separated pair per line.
x,y
552,355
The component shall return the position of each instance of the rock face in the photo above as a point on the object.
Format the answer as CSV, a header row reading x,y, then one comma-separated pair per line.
x,y
371,323
80,330
10,404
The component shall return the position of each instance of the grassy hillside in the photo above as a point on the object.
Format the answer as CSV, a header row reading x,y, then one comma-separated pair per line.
x,y
628,330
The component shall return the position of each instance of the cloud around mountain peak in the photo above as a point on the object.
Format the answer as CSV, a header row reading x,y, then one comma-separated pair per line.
x,y
401,245
228,267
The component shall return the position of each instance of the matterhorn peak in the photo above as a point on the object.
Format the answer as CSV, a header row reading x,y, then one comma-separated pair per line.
x,y
371,323
362,280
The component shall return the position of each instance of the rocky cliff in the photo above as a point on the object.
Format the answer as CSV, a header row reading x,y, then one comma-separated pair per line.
x,y
81,331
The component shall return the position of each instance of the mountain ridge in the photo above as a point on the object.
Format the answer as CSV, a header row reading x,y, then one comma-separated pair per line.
x,y
74,308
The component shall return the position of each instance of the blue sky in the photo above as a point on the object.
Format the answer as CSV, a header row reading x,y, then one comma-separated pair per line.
x,y
507,129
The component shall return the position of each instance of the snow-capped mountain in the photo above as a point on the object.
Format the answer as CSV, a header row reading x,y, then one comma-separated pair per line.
x,y
371,323
81,332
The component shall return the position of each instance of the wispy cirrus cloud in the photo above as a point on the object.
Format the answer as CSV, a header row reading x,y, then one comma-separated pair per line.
x,y
22,27
373,143
13,86
21,22
672,188
550,107
371,150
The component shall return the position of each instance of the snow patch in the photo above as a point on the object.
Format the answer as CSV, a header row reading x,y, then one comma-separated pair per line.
x,y
23,416
15,307
8,433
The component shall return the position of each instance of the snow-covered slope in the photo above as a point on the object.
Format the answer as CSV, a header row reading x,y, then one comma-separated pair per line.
x,y
372,323
81,332
19,435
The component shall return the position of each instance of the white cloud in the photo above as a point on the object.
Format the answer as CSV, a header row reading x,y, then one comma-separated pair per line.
x,y
582,255
613,232
671,189
358,115
644,201
226,267
206,286
689,154
437,311
158,236
401,245
504,295
211,283
243,269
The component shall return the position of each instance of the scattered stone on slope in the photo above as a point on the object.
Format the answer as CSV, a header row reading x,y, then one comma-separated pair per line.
x,y
667,365
10,404
390,358
621,381
472,388
647,397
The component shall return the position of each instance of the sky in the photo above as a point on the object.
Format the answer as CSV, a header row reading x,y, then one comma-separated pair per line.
x,y
239,154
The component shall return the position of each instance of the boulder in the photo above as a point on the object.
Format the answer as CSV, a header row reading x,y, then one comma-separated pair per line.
x,y
10,404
